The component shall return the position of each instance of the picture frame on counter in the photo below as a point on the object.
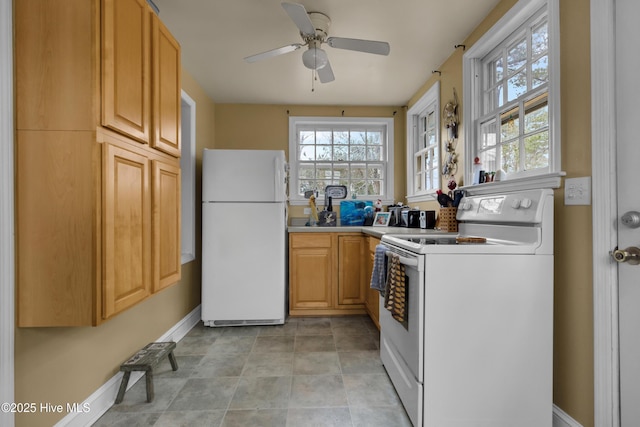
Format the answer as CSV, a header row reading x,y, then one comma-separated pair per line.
x,y
381,219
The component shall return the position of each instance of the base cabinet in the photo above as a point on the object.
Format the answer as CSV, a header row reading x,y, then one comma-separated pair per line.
x,y
326,274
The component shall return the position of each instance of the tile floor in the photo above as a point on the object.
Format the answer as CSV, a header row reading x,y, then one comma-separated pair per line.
x,y
308,372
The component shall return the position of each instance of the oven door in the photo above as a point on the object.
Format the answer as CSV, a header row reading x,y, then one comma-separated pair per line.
x,y
401,346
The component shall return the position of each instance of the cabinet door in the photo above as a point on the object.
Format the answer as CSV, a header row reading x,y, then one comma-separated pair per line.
x,y
351,270
127,229
126,68
311,278
166,94
166,224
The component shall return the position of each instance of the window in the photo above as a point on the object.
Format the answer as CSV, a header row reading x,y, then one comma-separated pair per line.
x,y
188,178
355,152
423,146
511,78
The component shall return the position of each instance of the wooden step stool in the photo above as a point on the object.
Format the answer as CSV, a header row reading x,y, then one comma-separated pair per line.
x,y
145,360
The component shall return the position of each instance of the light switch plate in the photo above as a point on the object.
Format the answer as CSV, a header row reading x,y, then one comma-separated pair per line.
x,y
577,191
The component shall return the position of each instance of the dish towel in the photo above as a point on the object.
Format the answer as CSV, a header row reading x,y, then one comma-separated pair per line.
x,y
396,293
378,275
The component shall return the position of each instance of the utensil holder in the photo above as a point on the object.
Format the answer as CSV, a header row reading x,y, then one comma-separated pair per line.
x,y
447,219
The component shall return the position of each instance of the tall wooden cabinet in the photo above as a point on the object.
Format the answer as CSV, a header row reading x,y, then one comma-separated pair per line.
x,y
97,159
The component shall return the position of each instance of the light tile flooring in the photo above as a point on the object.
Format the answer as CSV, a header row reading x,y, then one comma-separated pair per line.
x,y
308,372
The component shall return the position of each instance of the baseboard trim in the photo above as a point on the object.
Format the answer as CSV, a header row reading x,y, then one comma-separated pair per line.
x,y
102,399
562,419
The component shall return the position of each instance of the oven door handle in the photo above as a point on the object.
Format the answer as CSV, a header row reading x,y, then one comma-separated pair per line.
x,y
411,262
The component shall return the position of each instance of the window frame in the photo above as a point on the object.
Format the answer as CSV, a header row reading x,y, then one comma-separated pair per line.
x,y
188,179
428,102
295,122
473,73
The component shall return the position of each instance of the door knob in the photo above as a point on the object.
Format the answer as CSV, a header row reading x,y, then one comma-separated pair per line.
x,y
630,255
631,219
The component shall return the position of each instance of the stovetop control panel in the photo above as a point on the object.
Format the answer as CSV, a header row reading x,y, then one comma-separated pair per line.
x,y
516,207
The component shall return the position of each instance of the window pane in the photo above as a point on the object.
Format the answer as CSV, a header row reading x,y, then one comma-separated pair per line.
x,y
536,151
358,153
307,137
488,160
374,153
510,125
307,185
374,172
539,40
536,116
341,137
488,134
499,98
374,138
510,157
306,171
517,56
419,162
374,188
341,153
540,72
307,153
324,137
340,172
498,70
323,152
323,171
358,137
358,187
358,171
517,86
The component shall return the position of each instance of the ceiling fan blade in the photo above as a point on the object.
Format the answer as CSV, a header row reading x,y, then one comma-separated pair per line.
x,y
326,74
368,46
273,52
299,16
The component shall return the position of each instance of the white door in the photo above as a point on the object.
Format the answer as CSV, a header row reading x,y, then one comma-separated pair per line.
x,y
628,157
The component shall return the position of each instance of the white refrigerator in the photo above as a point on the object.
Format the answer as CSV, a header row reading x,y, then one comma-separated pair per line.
x,y
243,237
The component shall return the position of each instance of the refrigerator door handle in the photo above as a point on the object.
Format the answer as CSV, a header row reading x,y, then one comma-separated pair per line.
x,y
279,180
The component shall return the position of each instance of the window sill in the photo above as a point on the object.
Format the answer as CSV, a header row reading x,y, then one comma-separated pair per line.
x,y
551,180
429,197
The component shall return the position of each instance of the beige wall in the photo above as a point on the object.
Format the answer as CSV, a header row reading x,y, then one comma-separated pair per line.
x,y
66,365
573,318
250,126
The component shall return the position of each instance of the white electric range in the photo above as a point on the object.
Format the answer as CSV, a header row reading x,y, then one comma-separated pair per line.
x,y
476,349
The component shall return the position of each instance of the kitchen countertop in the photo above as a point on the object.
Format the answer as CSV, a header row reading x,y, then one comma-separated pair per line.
x,y
370,230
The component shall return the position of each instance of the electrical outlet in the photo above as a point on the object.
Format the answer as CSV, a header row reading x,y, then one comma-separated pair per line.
x,y
577,191
307,211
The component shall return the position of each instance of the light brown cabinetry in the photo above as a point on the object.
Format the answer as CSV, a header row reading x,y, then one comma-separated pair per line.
x,y
98,199
141,97
326,274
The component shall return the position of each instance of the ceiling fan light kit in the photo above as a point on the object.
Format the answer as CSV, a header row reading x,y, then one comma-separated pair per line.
x,y
314,29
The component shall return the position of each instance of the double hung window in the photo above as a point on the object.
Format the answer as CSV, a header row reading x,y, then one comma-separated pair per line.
x,y
423,146
355,152
514,95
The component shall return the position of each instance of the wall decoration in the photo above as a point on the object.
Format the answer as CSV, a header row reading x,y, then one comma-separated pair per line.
x,y
451,122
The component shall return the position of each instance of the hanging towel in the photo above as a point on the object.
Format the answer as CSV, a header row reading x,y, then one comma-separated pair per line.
x,y
379,276
396,293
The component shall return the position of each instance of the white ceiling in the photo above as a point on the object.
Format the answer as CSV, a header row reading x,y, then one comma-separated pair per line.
x,y
216,35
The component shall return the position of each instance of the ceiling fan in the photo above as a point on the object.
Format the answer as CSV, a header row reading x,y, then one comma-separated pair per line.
x,y
314,28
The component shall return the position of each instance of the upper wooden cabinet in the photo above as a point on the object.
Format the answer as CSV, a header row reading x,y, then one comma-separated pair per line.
x,y
140,98
166,94
126,67
83,64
